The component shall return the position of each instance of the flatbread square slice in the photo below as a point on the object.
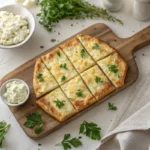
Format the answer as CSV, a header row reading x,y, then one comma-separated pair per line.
x,y
59,65
43,81
57,105
78,94
115,68
77,55
97,82
97,48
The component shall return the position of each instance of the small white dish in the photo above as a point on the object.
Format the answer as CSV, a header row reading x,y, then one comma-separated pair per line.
x,y
3,90
20,10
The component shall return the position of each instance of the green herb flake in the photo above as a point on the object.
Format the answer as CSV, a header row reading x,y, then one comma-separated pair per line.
x,y
64,66
112,106
58,53
113,68
91,130
96,46
68,143
59,103
3,129
98,80
63,78
53,40
79,93
83,53
33,120
119,76
40,77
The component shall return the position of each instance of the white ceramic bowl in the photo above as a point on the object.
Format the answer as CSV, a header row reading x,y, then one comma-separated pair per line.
x,y
20,10
3,90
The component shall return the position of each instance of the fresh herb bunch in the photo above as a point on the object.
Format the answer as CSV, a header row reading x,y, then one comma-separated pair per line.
x,y
3,129
67,143
91,130
54,10
33,120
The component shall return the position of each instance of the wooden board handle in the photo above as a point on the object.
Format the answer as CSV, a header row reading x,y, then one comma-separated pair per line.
x,y
140,39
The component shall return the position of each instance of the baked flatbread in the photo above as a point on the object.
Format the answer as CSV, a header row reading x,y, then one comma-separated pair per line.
x,y
97,82
59,65
78,94
43,81
77,55
97,48
115,68
57,105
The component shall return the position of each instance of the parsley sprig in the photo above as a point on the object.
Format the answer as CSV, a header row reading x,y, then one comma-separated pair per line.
x,y
112,106
58,53
113,68
3,129
67,143
40,77
83,53
96,46
33,120
54,10
91,130
64,66
79,93
59,103
98,79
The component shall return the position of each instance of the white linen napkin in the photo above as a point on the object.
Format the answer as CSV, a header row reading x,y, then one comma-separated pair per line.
x,y
132,134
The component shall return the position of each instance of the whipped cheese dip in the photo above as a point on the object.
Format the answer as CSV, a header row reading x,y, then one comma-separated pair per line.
x,y
16,92
13,28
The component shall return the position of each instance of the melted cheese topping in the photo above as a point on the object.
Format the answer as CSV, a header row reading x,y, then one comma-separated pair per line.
x,y
98,53
49,82
71,88
90,76
73,51
116,60
59,95
54,63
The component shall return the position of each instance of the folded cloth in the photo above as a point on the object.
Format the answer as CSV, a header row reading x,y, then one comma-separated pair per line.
x,y
132,134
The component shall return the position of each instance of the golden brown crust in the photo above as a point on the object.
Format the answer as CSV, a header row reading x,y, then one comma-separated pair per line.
x,y
37,68
82,104
108,89
72,42
51,54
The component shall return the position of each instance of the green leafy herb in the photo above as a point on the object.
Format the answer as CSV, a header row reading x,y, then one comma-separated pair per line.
x,y
40,77
96,46
3,129
83,53
38,129
58,53
119,76
59,103
111,106
98,80
67,143
33,120
54,10
91,130
79,93
113,68
53,40
63,78
64,66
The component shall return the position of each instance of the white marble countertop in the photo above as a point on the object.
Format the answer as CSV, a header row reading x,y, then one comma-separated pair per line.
x,y
16,139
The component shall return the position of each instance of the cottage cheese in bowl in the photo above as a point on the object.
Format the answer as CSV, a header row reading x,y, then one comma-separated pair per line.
x,y
13,28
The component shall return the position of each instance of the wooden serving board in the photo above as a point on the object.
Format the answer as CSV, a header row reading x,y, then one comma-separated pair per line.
x,y
126,47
